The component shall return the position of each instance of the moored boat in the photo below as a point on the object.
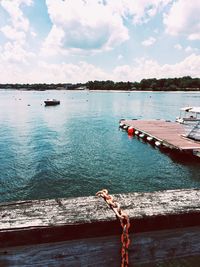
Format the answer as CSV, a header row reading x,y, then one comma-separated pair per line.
x,y
189,114
51,102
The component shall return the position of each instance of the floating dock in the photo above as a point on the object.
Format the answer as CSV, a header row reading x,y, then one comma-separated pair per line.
x,y
84,231
166,134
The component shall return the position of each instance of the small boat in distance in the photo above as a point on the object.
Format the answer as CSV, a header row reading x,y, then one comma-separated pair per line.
x,y
51,102
189,114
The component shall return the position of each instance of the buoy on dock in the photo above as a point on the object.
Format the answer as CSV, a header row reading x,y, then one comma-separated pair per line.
x,y
149,138
136,132
131,130
141,135
121,124
125,127
158,144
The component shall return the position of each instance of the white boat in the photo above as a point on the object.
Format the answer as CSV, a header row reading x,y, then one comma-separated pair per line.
x,y
189,114
51,102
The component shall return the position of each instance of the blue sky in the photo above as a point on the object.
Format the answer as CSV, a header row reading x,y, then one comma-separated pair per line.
x,y
53,41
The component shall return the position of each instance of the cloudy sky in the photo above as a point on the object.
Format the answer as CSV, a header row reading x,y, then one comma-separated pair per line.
x,y
74,41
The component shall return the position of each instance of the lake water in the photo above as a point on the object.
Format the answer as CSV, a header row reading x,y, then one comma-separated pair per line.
x,y
76,148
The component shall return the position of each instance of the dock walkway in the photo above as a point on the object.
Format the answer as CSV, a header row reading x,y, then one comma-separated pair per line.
x,y
170,134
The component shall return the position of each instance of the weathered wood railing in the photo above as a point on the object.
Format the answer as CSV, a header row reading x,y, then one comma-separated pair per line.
x,y
84,231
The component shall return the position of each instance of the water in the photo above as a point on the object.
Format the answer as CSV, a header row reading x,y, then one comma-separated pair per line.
x,y
76,148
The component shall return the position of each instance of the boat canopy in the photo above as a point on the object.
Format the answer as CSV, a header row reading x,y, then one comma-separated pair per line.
x,y
191,109
186,108
195,110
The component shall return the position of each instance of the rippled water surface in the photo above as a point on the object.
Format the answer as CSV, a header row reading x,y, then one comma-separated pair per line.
x,y
76,148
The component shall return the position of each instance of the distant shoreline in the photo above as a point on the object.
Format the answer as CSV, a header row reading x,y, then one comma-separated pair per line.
x,y
146,91
104,91
183,84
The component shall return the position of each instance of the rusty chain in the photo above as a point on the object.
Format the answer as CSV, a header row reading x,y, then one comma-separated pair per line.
x,y
124,220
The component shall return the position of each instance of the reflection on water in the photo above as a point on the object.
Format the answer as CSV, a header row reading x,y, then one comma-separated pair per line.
x,y
76,148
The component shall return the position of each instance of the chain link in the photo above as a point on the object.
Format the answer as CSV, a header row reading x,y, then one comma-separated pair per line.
x,y
125,224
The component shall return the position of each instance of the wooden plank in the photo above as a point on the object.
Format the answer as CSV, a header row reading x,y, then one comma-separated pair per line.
x,y
145,248
38,221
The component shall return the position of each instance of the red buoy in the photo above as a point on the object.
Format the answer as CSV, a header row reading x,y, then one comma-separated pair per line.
x,y
131,130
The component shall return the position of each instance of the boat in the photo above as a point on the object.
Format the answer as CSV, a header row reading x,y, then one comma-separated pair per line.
x,y
188,115
51,102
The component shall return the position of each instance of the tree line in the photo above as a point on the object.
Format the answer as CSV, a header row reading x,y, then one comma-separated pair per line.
x,y
165,84
185,83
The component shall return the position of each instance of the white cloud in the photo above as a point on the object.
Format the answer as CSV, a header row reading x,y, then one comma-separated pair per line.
x,y
64,72
15,49
146,68
190,49
11,73
119,57
12,34
51,73
16,15
53,44
187,49
141,11
178,47
156,31
183,18
148,42
95,25
194,36
86,25
83,72
13,52
33,34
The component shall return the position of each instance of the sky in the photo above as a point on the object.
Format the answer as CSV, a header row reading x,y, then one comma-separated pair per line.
x,y
75,41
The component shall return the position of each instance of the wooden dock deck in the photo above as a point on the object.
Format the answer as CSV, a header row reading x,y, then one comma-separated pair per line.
x,y
169,134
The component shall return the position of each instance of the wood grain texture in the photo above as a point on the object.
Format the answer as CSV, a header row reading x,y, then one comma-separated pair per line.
x,y
148,247
39,221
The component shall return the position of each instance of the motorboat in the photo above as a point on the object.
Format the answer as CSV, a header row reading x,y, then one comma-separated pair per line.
x,y
51,102
189,114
